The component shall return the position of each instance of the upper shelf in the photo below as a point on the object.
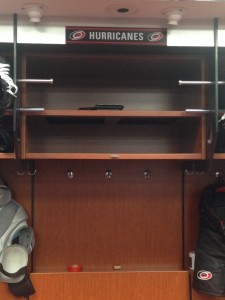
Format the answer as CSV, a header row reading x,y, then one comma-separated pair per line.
x,y
112,113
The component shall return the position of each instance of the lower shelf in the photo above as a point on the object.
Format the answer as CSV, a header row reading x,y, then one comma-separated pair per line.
x,y
115,156
109,286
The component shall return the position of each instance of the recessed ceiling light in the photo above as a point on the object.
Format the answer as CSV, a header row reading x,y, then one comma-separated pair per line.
x,y
121,9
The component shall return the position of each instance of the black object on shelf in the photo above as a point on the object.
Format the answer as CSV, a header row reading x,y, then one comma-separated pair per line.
x,y
103,106
109,106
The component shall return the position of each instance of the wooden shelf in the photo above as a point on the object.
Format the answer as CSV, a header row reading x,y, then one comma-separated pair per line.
x,y
178,156
111,134
113,113
219,156
7,156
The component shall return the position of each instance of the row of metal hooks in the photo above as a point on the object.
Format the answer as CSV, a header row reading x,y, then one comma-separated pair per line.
x,y
28,169
109,174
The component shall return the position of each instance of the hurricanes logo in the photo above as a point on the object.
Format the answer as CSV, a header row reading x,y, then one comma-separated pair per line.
x,y
155,36
77,35
204,275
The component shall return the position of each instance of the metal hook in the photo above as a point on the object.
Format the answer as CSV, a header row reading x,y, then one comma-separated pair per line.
x,y
219,177
32,173
219,174
189,172
147,174
108,174
20,173
70,174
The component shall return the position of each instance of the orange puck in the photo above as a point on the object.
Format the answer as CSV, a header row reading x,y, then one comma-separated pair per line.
x,y
74,268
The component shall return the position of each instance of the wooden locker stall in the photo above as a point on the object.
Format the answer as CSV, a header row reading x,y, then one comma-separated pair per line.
x,y
105,188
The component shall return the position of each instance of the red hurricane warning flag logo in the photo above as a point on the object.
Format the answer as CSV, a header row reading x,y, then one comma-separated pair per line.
x,y
155,36
77,35
204,275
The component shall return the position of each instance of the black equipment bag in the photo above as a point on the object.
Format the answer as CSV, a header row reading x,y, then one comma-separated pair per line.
x,y
220,144
6,141
209,271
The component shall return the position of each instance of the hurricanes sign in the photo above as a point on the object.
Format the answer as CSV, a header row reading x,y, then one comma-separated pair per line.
x,y
122,36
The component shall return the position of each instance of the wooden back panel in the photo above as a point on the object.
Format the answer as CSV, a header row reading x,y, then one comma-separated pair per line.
x,y
98,222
